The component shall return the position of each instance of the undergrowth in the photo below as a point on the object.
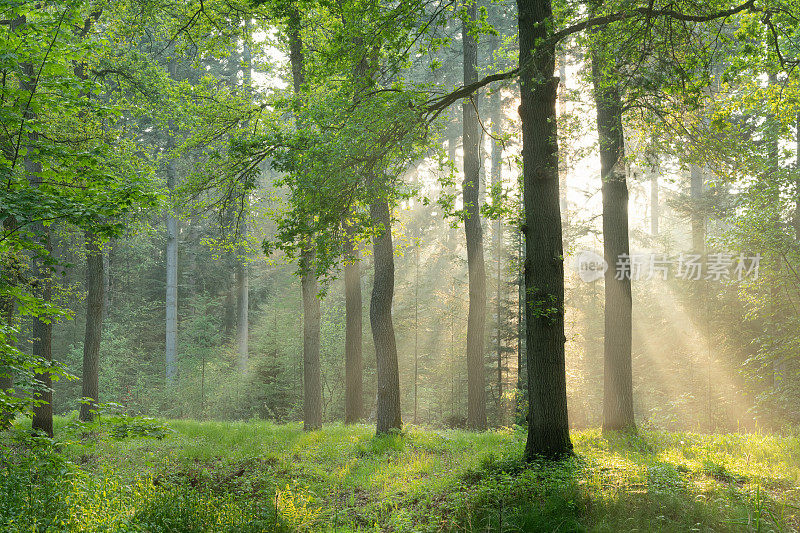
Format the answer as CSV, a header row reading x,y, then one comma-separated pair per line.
x,y
184,476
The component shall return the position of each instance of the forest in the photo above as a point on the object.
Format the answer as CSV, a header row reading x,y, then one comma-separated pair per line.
x,y
399,265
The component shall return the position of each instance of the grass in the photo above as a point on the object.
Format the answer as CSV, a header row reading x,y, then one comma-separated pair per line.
x,y
259,476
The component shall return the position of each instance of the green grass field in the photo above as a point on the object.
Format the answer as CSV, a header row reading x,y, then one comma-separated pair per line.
x,y
259,476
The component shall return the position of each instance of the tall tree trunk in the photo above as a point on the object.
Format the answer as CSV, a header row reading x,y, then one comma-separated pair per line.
x,y
380,316
171,300
416,330
476,322
171,349
242,315
312,378
548,426
95,301
353,366
522,360
617,372
107,278
242,268
496,179
229,320
42,329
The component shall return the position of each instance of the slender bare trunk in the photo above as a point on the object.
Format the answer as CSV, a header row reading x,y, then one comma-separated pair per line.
x,y
172,286
617,373
496,179
171,300
476,322
95,299
312,377
380,315
242,267
353,331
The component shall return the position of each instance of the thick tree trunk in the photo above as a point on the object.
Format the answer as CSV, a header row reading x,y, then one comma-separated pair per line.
x,y
312,377
476,322
380,316
95,300
353,366
617,373
548,426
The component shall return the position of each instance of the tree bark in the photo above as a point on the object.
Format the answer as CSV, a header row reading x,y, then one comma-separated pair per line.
x,y
42,329
171,348
548,426
476,322
353,365
229,319
496,180
171,299
95,300
242,313
312,378
380,315
617,372
242,268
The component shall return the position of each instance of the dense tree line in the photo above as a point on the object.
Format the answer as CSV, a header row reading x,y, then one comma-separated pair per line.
x,y
205,188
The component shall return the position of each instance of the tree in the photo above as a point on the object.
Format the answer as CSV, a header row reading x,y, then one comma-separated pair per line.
x,y
617,371
171,301
548,428
380,315
312,380
353,332
476,381
95,299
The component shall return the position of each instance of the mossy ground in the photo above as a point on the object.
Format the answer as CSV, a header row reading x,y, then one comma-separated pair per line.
x,y
259,476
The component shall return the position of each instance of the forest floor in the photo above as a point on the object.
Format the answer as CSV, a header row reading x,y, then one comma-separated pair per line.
x,y
260,476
